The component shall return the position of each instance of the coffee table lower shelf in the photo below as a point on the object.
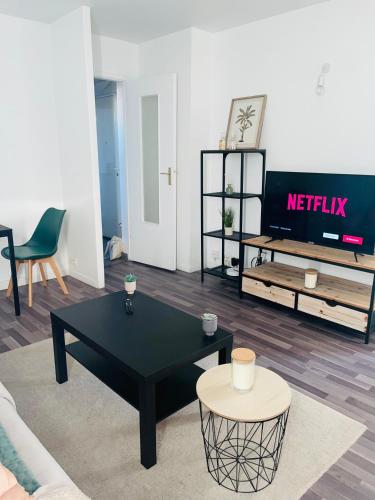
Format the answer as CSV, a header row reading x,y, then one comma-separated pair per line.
x,y
172,393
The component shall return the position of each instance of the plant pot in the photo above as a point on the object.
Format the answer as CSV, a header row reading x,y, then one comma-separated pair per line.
x,y
228,231
130,287
209,324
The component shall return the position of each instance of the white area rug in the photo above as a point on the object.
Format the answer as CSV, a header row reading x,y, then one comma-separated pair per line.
x,y
94,435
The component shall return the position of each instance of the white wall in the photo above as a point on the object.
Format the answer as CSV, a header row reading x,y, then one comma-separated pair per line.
x,y
201,108
74,88
282,57
30,178
114,59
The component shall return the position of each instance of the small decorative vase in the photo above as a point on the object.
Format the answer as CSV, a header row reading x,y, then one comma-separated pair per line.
x,y
228,231
229,189
243,369
311,278
209,324
222,144
130,287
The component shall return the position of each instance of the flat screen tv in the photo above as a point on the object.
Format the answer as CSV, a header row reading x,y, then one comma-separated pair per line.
x,y
335,210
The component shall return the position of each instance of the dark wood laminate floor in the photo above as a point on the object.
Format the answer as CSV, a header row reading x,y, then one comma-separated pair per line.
x,y
331,367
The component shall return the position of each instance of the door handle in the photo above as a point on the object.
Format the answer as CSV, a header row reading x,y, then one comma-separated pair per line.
x,y
169,173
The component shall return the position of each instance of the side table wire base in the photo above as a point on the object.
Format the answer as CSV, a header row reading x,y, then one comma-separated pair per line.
x,y
242,456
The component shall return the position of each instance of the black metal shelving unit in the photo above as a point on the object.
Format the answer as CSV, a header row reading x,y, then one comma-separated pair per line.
x,y
238,236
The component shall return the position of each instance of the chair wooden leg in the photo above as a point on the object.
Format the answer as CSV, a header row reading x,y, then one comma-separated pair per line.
x,y
42,274
10,285
51,261
30,277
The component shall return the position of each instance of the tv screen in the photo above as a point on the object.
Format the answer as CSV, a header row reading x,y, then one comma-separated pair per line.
x,y
334,210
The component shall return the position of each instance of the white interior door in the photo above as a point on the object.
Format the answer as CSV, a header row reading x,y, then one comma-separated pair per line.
x,y
151,167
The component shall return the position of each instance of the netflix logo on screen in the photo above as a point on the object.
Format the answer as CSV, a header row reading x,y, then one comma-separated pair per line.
x,y
327,205
336,210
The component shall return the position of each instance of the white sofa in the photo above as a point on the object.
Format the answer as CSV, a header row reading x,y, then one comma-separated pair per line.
x,y
40,463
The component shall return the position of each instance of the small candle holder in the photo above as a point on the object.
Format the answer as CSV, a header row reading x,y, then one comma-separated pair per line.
x,y
209,324
311,278
243,369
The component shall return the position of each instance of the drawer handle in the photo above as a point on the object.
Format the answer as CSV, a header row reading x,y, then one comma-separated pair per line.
x,y
331,303
267,283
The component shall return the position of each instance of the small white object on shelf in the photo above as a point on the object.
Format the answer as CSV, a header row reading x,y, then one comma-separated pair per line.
x,y
243,369
222,142
233,143
311,278
232,271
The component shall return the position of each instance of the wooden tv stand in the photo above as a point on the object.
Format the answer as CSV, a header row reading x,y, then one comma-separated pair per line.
x,y
338,300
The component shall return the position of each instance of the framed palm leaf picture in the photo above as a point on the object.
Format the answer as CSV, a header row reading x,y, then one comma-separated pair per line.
x,y
245,121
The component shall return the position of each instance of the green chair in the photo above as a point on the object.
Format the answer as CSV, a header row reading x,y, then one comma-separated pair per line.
x,y
40,250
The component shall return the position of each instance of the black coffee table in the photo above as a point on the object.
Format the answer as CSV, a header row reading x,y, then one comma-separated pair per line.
x,y
147,358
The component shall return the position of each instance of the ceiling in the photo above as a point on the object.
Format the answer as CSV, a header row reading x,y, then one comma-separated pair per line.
x,y
141,20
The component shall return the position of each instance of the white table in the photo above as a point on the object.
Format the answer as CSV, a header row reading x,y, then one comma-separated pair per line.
x,y
243,432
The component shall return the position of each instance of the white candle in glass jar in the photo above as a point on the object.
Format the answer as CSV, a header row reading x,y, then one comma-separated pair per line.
x,y
243,369
311,278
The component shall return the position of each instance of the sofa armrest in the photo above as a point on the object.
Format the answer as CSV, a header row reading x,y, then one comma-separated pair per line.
x,y
5,394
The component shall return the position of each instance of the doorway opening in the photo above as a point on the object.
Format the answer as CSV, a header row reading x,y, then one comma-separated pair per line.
x,y
111,154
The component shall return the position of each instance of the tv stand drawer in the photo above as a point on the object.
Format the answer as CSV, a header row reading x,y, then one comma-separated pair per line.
x,y
335,313
269,292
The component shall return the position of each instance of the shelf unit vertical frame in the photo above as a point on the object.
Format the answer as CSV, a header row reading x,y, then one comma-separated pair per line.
x,y
242,246
241,195
223,209
202,221
241,268
371,311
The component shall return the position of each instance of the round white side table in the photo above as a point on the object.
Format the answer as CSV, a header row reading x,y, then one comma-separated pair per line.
x,y
243,432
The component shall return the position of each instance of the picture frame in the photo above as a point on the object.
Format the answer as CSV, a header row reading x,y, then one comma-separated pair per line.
x,y
245,121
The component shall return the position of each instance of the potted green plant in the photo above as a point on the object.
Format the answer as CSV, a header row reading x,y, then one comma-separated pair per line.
x,y
228,218
130,283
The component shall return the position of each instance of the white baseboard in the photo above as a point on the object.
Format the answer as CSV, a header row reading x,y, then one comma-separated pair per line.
x,y
188,269
85,279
